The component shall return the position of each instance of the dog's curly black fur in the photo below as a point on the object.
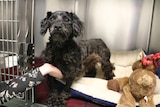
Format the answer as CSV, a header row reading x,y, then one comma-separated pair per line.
x,y
68,55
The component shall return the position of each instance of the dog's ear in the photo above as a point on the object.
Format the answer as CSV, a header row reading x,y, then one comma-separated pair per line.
x,y
45,23
77,24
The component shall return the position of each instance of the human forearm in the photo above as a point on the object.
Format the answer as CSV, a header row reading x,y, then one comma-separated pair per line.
x,y
16,86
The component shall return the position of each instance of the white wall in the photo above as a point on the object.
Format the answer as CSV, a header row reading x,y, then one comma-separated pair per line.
x,y
122,24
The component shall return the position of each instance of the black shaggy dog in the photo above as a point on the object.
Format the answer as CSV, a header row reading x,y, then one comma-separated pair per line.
x,y
72,58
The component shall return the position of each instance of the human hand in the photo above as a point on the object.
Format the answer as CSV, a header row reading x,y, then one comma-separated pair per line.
x,y
51,70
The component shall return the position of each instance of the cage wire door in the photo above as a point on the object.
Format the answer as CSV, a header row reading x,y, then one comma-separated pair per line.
x,y
16,44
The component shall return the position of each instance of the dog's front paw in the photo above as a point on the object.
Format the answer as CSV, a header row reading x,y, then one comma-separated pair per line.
x,y
58,100
62,99
108,68
54,94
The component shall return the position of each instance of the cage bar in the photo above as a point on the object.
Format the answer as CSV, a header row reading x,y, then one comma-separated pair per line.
x,y
14,30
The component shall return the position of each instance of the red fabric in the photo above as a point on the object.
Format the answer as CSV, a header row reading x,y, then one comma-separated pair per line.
x,y
42,90
152,59
38,62
9,73
156,59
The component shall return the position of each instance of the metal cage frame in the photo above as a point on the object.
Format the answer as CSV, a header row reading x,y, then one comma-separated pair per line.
x,y
16,34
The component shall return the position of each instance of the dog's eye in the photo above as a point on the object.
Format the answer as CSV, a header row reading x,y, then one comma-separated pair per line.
x,y
53,18
65,19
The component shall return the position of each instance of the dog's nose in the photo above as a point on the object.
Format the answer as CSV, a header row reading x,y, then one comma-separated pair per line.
x,y
58,27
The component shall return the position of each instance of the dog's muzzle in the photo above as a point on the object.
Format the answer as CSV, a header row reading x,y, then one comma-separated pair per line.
x,y
55,28
57,33
58,28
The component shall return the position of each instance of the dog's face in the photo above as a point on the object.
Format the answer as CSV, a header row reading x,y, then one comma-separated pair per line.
x,y
62,26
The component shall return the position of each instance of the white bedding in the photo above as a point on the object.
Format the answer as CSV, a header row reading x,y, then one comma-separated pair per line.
x,y
97,88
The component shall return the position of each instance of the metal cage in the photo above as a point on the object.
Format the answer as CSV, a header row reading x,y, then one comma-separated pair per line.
x,y
16,35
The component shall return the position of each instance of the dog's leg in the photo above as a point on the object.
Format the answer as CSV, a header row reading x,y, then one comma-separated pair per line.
x,y
54,92
69,82
108,68
61,99
52,82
